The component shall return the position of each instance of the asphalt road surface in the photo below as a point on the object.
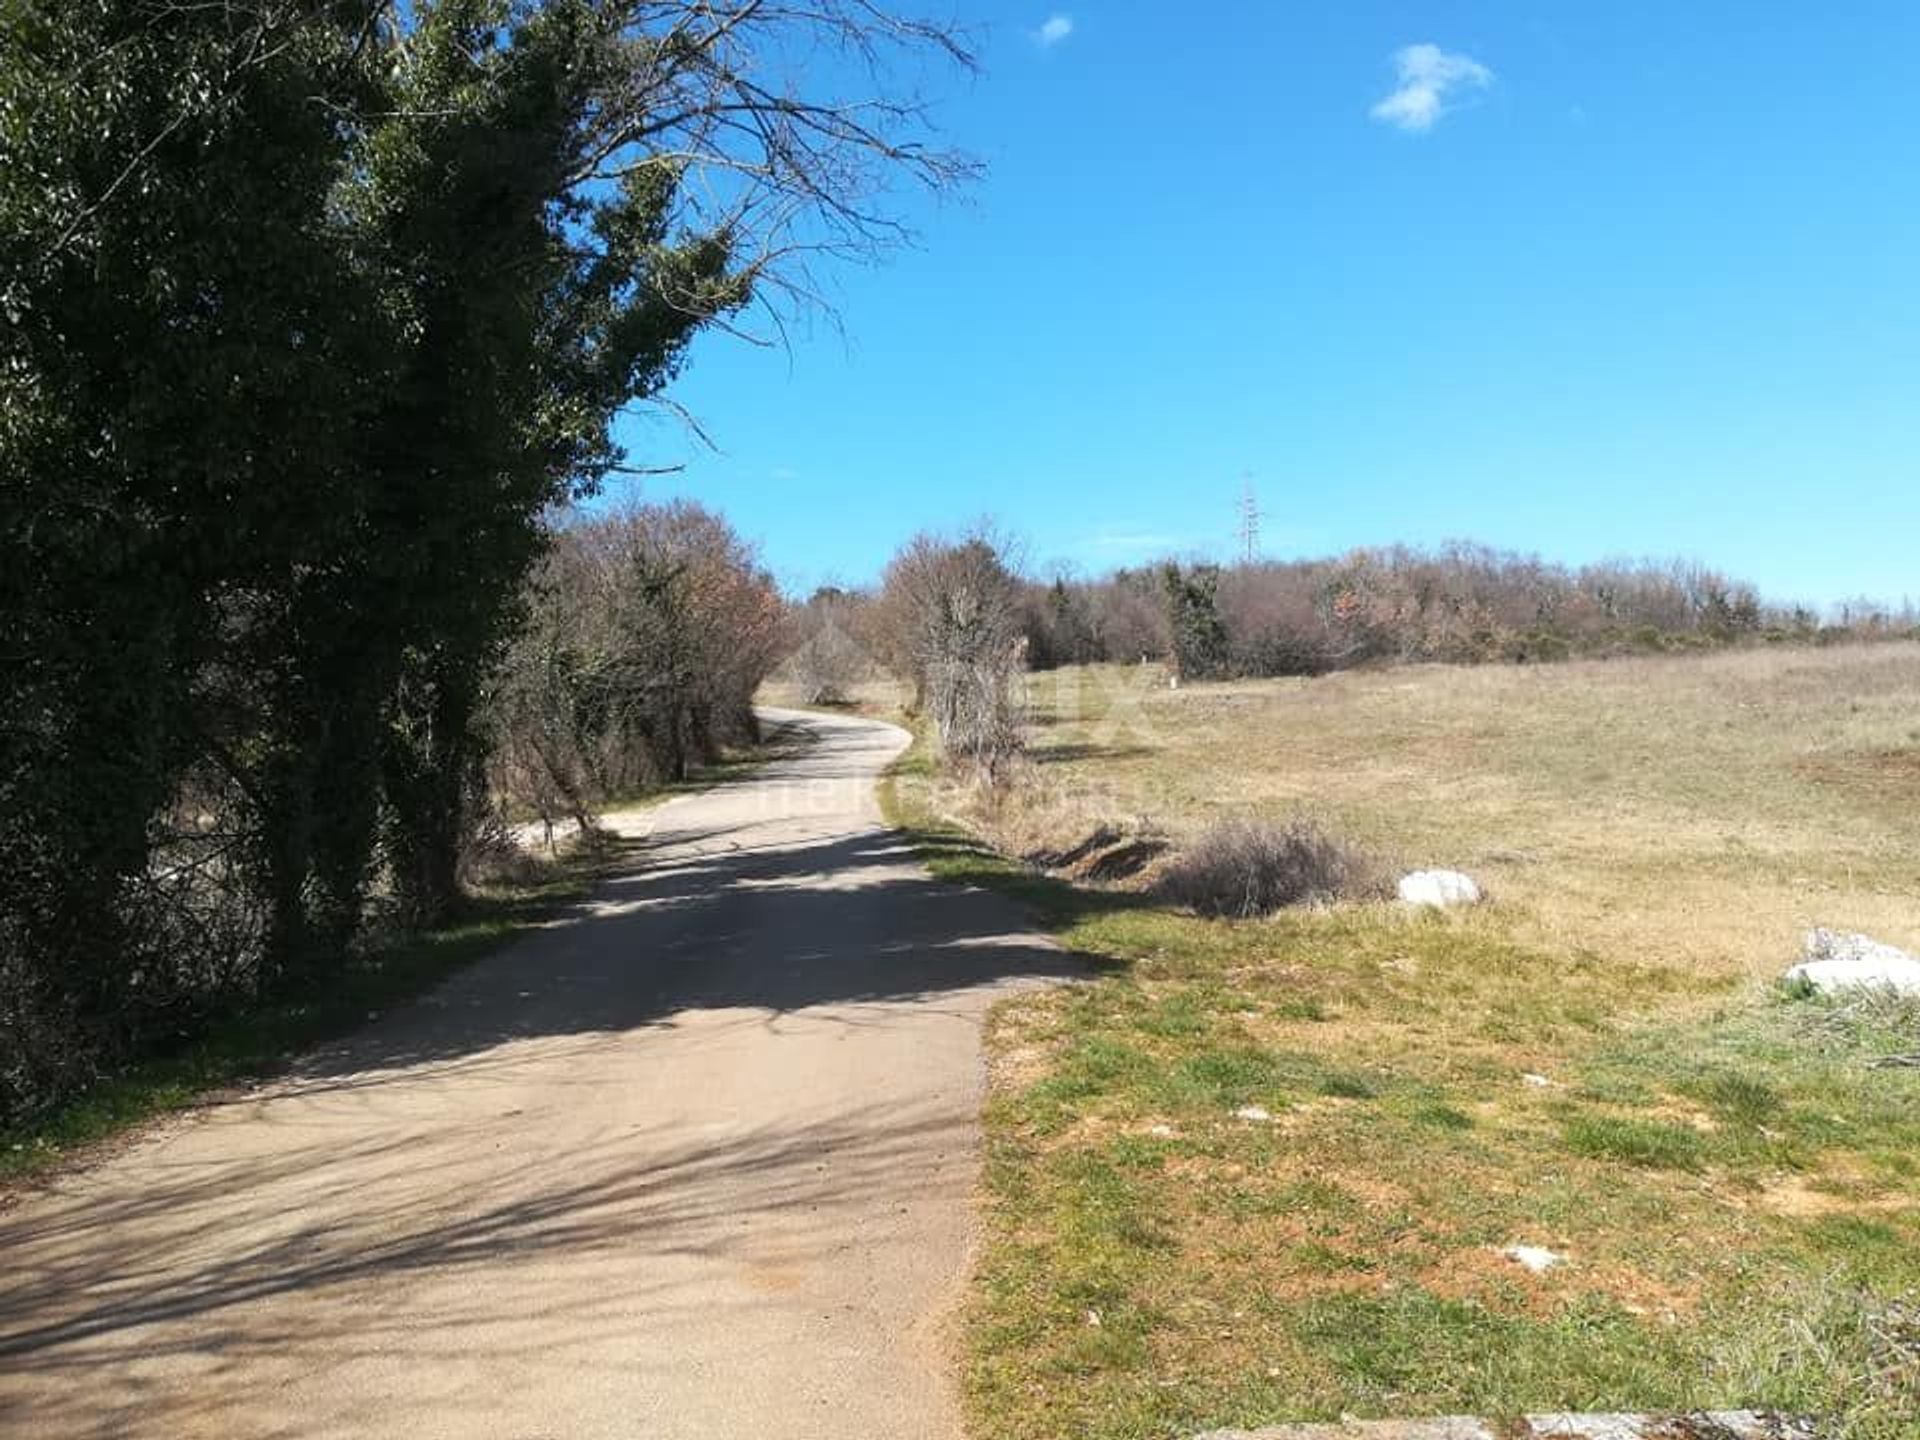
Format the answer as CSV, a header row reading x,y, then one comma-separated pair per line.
x,y
694,1160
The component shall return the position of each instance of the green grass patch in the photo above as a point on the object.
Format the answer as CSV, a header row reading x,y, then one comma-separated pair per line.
x,y
1635,1142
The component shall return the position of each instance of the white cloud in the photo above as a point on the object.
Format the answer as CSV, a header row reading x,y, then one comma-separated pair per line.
x,y
1428,76
1053,30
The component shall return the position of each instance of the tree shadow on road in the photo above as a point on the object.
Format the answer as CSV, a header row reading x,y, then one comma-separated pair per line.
x,y
844,927
371,1214
100,1289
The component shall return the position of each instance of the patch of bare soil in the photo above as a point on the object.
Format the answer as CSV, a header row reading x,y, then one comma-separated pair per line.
x,y
1020,1045
1879,773
1107,855
1803,1197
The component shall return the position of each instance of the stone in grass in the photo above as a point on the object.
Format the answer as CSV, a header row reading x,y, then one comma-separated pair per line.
x,y
1833,962
1708,1425
1452,1427
1439,888
1254,1113
1534,1258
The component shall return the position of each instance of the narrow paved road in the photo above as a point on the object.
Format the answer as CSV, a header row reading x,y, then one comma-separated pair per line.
x,y
693,1162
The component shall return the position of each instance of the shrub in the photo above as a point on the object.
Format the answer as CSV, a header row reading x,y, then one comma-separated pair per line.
x,y
1242,868
1281,650
647,631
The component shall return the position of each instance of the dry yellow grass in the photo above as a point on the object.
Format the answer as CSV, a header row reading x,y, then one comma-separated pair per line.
x,y
1698,811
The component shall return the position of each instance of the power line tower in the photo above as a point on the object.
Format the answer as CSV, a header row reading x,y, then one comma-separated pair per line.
x,y
1249,509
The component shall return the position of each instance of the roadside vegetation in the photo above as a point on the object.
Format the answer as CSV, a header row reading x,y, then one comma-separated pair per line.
x,y
318,319
648,630
1572,1148
519,874
253,1041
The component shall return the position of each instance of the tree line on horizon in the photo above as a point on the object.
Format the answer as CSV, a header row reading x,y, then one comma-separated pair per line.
x,y
1459,603
318,314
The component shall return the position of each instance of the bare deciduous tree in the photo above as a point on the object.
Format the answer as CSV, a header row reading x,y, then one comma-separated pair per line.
x,y
825,661
785,125
649,629
952,612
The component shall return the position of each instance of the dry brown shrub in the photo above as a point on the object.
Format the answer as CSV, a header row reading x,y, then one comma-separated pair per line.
x,y
1242,868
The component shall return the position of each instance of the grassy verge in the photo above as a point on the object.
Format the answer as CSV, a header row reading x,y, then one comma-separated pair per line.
x,y
1270,1170
955,854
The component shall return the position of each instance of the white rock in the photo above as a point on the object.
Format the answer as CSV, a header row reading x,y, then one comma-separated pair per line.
x,y
1534,1257
1162,1132
1439,888
1251,1112
1538,1082
1836,962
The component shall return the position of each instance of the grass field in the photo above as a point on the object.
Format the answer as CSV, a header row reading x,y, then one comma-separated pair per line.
x,y
1267,1170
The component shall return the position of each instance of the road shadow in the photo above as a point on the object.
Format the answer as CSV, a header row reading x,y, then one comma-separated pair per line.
x,y
395,1226
1065,753
739,926
165,1274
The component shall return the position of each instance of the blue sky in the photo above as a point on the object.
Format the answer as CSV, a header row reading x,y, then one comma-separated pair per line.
x,y
1588,280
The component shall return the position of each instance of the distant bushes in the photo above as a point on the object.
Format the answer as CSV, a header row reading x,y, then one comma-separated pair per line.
x,y
825,660
1242,868
647,631
1460,604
